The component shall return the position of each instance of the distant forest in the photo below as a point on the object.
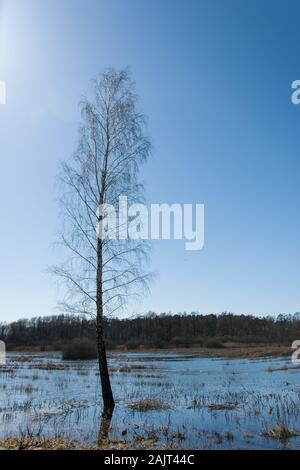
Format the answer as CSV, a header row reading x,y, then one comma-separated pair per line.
x,y
153,330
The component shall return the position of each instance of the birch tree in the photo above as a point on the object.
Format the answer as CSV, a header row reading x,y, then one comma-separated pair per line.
x,y
102,272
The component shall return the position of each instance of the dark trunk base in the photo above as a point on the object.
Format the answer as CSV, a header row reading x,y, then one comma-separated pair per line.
x,y
107,395
104,430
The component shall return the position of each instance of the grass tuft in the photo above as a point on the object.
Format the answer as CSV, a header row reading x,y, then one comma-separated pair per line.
x,y
149,404
283,433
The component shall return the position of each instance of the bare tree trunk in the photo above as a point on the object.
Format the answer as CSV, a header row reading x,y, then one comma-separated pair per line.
x,y
101,274
108,399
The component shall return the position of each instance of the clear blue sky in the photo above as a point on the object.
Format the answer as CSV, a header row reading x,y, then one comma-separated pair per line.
x,y
214,79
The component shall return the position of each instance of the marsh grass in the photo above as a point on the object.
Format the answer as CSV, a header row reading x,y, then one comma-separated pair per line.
x,y
134,367
284,368
282,432
29,443
48,366
27,389
148,404
222,406
65,401
147,376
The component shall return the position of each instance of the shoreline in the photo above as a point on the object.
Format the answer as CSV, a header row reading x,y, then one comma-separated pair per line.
x,y
236,351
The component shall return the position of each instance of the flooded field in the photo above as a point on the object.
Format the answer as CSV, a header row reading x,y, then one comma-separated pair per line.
x,y
162,400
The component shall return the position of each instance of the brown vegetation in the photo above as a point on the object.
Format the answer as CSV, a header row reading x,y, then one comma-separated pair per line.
x,y
222,406
281,432
148,404
13,443
81,349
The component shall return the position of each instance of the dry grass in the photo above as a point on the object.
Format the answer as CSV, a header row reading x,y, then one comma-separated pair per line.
x,y
147,376
29,443
134,368
230,351
26,358
281,432
149,404
222,406
283,368
179,436
48,366
28,389
56,443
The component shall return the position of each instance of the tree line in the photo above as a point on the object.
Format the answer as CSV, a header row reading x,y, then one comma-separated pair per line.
x,y
153,330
